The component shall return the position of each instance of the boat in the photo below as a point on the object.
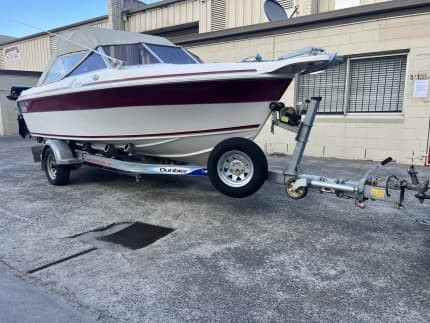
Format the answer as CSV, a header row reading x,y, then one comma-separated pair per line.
x,y
114,90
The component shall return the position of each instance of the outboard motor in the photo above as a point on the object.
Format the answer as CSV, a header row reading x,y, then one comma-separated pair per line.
x,y
15,92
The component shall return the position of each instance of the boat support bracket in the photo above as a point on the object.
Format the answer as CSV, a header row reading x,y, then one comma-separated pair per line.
x,y
390,189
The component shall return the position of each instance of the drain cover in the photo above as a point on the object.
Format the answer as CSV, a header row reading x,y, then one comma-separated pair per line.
x,y
137,235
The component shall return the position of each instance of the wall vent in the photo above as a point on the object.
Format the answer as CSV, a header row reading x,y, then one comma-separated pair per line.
x,y
53,44
218,15
286,4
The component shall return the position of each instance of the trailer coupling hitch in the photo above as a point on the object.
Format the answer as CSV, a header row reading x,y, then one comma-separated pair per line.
x,y
421,188
399,186
393,189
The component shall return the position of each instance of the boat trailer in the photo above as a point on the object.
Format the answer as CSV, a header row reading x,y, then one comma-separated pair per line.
x,y
296,182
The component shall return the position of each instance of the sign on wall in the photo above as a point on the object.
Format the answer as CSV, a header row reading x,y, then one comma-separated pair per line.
x,y
11,53
421,88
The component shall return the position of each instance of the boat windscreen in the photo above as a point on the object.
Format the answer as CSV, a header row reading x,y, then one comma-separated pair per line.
x,y
172,55
93,62
134,54
62,66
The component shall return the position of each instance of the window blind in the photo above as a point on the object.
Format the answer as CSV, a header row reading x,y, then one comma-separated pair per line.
x,y
330,85
377,84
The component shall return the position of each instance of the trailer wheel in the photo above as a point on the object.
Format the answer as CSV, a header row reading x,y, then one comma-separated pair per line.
x,y
57,174
295,194
237,167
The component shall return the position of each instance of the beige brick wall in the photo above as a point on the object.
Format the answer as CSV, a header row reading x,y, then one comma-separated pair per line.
x,y
404,136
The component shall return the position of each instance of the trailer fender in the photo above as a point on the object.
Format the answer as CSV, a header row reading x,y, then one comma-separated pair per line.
x,y
62,151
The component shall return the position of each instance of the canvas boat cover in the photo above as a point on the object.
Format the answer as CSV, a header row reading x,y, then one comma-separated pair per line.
x,y
82,39
92,37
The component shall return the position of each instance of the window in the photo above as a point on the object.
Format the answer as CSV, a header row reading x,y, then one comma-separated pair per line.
x,y
62,66
93,62
134,54
361,85
172,55
377,84
330,85
342,4
329,5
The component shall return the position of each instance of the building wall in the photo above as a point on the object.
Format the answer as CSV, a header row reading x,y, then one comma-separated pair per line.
x,y
8,116
174,14
328,5
358,136
211,14
36,51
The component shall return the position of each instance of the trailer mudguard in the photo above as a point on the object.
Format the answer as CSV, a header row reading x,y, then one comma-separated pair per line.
x,y
62,151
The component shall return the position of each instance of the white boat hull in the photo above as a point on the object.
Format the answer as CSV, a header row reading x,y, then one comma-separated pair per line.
x,y
180,132
181,115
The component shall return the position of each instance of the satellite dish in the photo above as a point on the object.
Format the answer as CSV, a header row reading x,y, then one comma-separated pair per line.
x,y
274,11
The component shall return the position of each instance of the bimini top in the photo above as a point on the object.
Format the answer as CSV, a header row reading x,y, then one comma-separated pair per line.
x,y
92,37
75,46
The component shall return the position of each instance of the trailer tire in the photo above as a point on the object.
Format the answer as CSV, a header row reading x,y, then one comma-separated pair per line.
x,y
57,175
237,167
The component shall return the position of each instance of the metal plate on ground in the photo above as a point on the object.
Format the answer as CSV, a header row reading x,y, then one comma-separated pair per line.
x,y
136,236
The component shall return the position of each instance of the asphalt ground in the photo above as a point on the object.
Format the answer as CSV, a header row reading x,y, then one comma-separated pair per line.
x,y
22,302
265,258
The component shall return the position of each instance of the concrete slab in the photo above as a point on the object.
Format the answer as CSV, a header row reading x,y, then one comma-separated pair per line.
x,y
262,258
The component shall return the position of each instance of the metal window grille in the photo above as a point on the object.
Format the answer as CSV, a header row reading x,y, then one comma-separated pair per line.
x,y
330,85
218,15
377,84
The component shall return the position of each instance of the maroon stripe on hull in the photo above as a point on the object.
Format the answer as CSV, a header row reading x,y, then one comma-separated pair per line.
x,y
206,92
248,127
